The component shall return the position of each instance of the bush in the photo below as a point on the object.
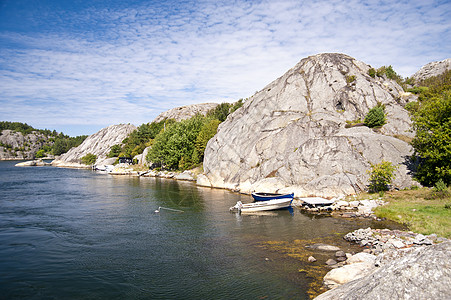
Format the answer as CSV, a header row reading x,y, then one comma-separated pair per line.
x,y
89,159
375,117
372,72
40,153
432,142
350,79
381,175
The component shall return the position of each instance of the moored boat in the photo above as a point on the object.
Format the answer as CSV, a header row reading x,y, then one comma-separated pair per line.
x,y
262,205
271,196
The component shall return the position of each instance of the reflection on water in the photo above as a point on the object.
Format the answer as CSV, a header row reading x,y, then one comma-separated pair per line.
x,y
77,234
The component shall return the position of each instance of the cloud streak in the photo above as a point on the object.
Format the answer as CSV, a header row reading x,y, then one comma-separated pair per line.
x,y
119,64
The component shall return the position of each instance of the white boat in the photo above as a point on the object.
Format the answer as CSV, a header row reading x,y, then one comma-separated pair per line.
x,y
262,205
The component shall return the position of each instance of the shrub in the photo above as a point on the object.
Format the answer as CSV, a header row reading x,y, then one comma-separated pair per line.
x,y
114,151
40,153
350,79
381,175
89,159
375,117
372,72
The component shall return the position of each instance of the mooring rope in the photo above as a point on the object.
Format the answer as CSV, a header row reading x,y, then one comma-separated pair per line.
x,y
171,209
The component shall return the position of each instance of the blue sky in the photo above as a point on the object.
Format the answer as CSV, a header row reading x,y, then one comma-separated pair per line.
x,y
78,66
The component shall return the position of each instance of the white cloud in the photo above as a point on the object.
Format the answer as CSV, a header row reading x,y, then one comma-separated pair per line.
x,y
143,60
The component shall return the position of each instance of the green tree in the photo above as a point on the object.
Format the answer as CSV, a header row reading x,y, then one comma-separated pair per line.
x,y
115,150
40,153
381,175
375,117
89,159
206,133
432,142
220,112
176,144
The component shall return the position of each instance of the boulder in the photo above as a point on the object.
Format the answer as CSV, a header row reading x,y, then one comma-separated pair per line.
x,y
323,247
185,112
432,69
293,136
416,273
347,273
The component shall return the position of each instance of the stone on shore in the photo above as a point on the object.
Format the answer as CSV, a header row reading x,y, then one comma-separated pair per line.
x,y
422,272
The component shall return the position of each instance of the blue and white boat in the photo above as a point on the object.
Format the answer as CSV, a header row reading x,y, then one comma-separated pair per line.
x,y
271,196
264,202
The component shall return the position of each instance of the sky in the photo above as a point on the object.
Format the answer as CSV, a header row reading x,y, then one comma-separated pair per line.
x,y
78,66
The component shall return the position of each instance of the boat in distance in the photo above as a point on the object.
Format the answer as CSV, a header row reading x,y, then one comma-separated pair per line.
x,y
271,196
262,205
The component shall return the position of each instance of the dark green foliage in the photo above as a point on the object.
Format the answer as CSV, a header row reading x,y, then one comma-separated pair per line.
x,y
16,126
139,139
381,175
174,147
89,159
372,72
432,142
63,143
375,117
390,73
237,105
115,151
220,112
206,133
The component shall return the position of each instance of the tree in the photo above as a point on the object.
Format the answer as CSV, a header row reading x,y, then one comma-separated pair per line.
x,y
375,117
381,175
206,133
89,159
176,144
432,142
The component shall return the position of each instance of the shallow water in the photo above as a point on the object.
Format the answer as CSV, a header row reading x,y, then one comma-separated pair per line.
x,y
78,234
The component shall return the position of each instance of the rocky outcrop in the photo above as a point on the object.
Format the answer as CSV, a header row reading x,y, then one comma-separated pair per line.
x,y
293,135
413,273
432,69
98,143
185,112
33,163
15,145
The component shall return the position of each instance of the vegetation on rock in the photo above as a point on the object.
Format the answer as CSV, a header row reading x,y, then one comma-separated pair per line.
x,y
52,143
431,117
381,175
89,159
375,117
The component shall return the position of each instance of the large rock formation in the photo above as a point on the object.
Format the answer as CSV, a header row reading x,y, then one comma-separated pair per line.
x,y
98,143
416,273
292,135
185,112
432,69
15,145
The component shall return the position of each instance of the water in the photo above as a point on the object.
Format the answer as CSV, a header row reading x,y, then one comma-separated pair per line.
x,y
76,234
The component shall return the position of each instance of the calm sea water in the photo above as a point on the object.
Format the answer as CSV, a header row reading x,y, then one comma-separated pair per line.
x,y
76,234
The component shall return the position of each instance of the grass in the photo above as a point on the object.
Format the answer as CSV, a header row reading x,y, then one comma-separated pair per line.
x,y
419,210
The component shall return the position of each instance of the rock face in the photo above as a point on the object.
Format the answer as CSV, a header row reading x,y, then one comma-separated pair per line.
x,y
185,112
98,143
14,145
292,135
432,69
415,273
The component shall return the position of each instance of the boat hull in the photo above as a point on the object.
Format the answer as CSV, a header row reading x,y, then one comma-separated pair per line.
x,y
263,205
271,196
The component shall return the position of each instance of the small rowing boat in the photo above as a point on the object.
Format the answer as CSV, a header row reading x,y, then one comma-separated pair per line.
x,y
262,205
271,196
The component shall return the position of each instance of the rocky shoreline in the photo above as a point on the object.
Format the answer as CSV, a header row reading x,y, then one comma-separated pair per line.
x,y
385,249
